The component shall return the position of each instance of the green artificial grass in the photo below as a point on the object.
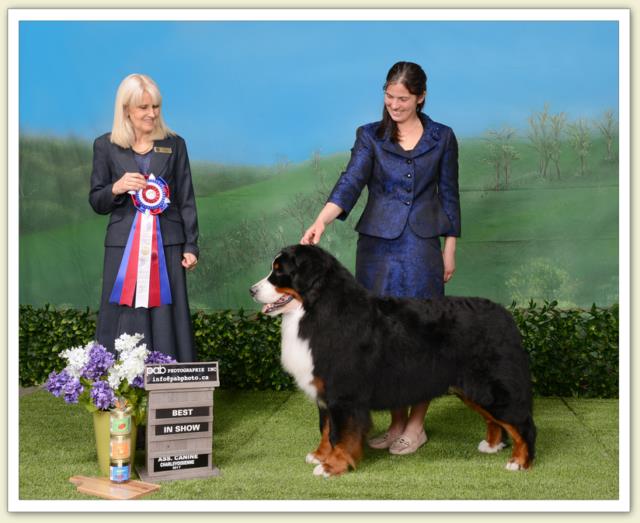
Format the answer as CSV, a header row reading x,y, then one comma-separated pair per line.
x,y
261,439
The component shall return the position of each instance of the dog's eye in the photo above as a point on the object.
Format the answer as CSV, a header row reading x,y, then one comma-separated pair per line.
x,y
276,266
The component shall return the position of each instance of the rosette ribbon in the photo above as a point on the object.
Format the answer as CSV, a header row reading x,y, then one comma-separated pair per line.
x,y
143,269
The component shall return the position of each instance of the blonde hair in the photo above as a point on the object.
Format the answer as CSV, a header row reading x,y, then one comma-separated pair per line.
x,y
130,92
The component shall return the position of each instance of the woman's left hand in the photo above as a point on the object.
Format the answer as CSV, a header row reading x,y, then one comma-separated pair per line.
x,y
189,261
449,257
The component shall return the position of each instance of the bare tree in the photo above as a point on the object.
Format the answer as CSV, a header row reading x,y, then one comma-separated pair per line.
x,y
501,153
580,139
558,123
493,156
540,137
608,127
302,208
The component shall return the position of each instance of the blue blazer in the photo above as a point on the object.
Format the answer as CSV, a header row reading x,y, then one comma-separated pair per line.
x,y
418,186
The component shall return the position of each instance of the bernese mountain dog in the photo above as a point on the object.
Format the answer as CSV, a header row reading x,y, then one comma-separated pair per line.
x,y
353,352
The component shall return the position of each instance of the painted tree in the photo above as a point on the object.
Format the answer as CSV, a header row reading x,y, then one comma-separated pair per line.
x,y
557,127
608,127
580,139
540,137
508,152
501,153
493,156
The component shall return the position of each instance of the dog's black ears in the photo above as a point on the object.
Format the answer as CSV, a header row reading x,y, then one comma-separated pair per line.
x,y
310,269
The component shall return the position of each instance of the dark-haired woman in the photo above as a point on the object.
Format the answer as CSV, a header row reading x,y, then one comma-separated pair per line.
x,y
409,164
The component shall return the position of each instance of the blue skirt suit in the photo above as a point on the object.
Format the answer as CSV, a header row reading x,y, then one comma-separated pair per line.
x,y
413,200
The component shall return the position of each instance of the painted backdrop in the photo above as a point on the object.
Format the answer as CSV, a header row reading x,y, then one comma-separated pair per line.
x,y
269,112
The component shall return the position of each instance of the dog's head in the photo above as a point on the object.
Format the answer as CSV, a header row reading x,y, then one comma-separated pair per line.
x,y
296,274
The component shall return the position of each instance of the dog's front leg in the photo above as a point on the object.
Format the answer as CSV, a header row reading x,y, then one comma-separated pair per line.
x,y
347,429
324,447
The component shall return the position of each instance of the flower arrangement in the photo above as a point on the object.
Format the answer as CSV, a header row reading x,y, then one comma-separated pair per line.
x,y
97,379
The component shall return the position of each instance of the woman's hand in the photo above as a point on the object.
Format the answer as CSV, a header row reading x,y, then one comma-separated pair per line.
x,y
328,213
313,233
129,182
189,261
449,257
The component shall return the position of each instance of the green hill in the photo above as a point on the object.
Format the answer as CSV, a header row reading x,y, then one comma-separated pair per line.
x,y
541,238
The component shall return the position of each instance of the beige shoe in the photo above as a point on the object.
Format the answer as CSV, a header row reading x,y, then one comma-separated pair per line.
x,y
405,445
383,441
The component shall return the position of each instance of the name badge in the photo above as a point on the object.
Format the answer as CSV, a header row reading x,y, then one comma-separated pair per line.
x,y
166,150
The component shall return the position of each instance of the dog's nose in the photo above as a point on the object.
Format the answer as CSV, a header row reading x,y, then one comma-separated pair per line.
x,y
253,291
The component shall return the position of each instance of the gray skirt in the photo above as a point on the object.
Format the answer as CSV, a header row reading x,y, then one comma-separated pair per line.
x,y
166,328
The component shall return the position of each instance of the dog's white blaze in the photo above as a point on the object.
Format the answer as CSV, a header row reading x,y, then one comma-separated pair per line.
x,y
296,354
265,291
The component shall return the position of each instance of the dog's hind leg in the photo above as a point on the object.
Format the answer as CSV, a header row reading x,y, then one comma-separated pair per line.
x,y
521,456
324,448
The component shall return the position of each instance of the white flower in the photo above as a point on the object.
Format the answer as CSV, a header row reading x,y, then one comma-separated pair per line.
x,y
77,358
133,365
131,360
114,377
126,342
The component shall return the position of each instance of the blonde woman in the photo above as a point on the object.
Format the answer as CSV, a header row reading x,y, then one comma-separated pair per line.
x,y
141,178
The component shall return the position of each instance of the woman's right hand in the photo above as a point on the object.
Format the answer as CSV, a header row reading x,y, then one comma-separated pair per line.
x,y
313,233
129,182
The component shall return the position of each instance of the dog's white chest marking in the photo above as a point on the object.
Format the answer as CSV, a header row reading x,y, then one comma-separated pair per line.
x,y
296,354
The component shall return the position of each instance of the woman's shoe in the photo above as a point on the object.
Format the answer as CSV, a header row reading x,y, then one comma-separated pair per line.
x,y
383,441
405,445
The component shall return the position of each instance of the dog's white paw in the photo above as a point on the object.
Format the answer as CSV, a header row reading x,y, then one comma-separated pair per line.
x,y
512,465
311,459
484,446
319,471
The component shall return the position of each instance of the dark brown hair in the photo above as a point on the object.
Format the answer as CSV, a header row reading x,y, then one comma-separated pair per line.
x,y
415,80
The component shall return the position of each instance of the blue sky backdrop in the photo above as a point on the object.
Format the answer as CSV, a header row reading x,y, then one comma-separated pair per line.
x,y
258,92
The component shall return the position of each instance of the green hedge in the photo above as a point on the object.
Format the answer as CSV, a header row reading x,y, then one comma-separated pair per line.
x,y
572,352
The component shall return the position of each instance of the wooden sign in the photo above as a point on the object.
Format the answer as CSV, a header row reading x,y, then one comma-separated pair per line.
x,y
179,443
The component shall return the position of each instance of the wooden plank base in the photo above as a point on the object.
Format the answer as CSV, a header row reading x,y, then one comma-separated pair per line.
x,y
104,488
192,474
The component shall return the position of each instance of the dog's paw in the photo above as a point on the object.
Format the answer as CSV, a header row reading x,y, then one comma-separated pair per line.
x,y
311,459
513,466
320,471
484,447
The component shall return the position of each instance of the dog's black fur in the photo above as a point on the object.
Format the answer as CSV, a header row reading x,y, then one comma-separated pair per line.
x,y
384,353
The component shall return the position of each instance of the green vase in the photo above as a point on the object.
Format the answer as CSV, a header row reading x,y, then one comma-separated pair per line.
x,y
103,437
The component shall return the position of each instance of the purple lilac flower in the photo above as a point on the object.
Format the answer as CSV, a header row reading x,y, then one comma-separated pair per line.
x,y
100,361
102,395
158,357
56,382
71,390
138,382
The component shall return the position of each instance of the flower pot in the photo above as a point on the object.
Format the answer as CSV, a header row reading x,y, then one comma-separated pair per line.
x,y
103,438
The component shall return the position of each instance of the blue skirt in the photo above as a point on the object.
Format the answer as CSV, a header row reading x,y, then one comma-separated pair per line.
x,y
405,267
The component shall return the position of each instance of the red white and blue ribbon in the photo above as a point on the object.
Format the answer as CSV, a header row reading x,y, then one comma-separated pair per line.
x,y
143,269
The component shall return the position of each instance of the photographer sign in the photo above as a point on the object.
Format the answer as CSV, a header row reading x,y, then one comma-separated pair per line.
x,y
179,441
